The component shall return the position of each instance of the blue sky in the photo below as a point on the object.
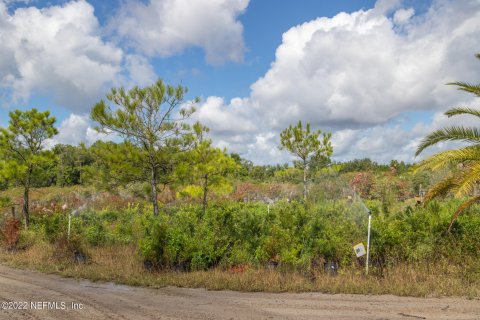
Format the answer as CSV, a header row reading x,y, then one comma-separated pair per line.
x,y
371,72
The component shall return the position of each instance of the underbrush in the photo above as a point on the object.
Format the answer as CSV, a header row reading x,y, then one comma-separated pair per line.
x,y
255,247
122,264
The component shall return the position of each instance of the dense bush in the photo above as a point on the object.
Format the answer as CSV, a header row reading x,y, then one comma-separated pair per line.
x,y
293,235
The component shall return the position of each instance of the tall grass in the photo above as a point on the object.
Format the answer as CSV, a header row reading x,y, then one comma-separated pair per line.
x,y
122,264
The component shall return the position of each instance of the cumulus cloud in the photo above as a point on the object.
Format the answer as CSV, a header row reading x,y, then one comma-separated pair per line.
x,y
76,129
383,143
60,51
358,69
139,71
358,73
226,119
167,27
56,51
403,15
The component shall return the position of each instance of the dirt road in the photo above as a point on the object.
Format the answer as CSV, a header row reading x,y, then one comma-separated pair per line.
x,y
41,296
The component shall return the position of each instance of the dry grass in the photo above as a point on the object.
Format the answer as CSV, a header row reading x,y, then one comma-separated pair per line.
x,y
122,264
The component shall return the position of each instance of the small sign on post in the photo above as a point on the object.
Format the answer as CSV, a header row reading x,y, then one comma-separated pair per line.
x,y
359,250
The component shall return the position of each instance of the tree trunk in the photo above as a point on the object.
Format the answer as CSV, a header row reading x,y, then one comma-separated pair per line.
x,y
154,191
26,192
205,190
304,181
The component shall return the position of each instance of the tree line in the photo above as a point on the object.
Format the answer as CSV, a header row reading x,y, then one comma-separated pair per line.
x,y
158,147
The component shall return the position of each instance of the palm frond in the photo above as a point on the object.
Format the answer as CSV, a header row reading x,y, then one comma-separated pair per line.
x,y
441,188
461,208
468,87
462,110
449,134
446,158
467,180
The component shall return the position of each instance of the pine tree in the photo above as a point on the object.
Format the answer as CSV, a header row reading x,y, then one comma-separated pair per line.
x,y
307,146
23,147
151,119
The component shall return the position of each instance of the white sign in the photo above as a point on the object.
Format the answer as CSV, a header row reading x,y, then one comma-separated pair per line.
x,y
359,250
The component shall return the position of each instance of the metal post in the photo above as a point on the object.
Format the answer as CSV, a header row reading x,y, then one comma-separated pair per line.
x,y
69,223
368,240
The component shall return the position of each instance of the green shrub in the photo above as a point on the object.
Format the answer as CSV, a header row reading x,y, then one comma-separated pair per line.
x,y
95,234
28,238
152,245
294,234
54,225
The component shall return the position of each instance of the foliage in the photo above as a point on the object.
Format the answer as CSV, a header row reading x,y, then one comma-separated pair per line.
x,y
147,118
115,165
5,202
70,250
11,232
289,175
358,165
152,245
307,146
71,164
362,183
295,236
292,235
53,226
22,145
206,167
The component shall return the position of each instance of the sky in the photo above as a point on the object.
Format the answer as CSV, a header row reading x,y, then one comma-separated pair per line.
x,y
373,73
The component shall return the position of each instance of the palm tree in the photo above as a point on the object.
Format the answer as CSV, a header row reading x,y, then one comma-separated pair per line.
x,y
467,159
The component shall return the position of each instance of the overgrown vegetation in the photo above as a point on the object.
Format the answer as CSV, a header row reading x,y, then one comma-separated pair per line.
x,y
288,243
142,204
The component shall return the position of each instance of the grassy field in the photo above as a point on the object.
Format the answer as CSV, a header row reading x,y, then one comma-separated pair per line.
x,y
122,264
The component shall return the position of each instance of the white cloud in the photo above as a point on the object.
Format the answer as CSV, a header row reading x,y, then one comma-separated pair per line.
x,y
140,71
383,7
59,52
358,69
357,74
233,118
380,143
383,143
167,27
403,15
56,51
11,2
76,129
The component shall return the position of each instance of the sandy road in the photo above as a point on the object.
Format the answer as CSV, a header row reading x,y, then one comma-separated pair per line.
x,y
109,301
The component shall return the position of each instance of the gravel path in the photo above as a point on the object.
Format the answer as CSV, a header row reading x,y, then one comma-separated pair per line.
x,y
31,295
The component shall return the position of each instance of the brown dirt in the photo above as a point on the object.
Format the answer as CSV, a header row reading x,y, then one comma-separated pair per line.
x,y
110,301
